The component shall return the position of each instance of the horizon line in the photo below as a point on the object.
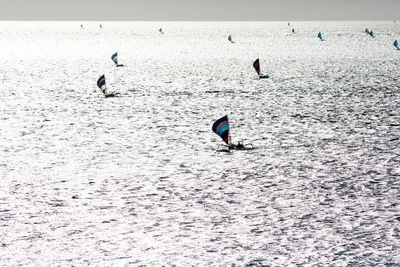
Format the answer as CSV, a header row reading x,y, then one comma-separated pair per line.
x,y
345,20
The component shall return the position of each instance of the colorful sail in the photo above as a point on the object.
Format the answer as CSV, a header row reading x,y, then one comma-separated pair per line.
x,y
221,127
320,36
101,83
396,44
256,66
114,58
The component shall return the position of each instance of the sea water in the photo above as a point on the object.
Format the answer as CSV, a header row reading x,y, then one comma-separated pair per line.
x,y
136,179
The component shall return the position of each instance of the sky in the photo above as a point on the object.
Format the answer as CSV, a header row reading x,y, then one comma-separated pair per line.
x,y
136,10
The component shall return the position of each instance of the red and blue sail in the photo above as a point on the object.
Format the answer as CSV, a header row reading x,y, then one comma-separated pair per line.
x,y
101,83
221,127
114,58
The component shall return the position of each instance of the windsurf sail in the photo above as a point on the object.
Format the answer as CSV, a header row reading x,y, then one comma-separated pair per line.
x,y
221,127
396,44
367,31
293,31
371,33
114,58
160,30
230,38
320,36
101,83
256,66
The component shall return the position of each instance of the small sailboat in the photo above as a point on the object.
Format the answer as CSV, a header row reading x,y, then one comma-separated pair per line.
x,y
101,27
161,31
221,128
230,39
396,44
370,33
256,66
320,36
101,83
114,58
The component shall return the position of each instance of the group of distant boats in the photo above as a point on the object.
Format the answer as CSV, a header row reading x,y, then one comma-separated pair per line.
x,y
220,126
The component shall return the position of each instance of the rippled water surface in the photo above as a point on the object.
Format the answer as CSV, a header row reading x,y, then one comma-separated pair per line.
x,y
136,180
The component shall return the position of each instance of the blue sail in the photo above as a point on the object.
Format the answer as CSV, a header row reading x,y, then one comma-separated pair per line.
x,y
114,58
320,36
396,44
371,33
221,127
366,30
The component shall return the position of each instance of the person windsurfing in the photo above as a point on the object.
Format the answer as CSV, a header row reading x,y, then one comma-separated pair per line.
x,y
101,83
114,58
221,128
230,38
161,31
256,65
293,31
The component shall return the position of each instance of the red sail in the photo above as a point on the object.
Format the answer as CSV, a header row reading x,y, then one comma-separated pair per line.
x,y
256,66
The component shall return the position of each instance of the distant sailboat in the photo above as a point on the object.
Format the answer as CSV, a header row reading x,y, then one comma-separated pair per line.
x,y
293,31
221,128
230,38
161,31
396,44
101,83
320,36
101,27
81,26
114,58
370,33
256,66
